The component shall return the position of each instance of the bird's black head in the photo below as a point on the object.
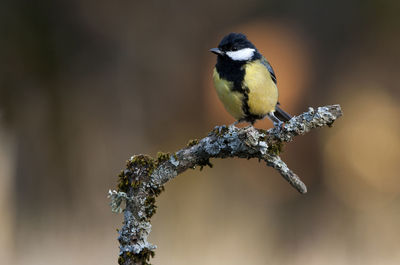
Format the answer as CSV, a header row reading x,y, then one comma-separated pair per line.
x,y
236,47
235,42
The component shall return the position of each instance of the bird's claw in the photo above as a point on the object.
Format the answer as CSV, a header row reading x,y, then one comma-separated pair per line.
x,y
278,125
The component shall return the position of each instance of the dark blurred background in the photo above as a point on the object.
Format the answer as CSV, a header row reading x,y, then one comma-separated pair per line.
x,y
86,84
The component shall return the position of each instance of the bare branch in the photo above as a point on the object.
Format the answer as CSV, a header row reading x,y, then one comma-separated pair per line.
x,y
144,177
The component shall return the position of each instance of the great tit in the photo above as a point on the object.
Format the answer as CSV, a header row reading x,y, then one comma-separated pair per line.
x,y
245,81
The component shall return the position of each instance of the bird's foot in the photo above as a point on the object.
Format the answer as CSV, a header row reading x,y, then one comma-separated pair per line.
x,y
278,125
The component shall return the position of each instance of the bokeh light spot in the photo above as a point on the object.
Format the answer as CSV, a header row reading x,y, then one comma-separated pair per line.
x,y
362,157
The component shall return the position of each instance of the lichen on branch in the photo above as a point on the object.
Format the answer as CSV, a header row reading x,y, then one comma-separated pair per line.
x,y
144,177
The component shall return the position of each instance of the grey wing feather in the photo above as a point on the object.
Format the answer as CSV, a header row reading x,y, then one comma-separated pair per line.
x,y
280,114
269,67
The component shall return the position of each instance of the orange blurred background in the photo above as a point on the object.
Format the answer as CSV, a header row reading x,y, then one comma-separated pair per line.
x,y
86,84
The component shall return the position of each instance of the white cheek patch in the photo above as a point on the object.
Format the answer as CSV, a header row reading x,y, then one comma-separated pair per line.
x,y
241,55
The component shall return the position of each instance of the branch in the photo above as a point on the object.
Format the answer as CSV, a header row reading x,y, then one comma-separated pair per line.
x,y
144,177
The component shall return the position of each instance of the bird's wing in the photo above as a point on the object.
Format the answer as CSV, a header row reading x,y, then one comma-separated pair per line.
x,y
270,69
280,114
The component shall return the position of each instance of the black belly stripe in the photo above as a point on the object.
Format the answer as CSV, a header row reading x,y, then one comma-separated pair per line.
x,y
249,117
234,71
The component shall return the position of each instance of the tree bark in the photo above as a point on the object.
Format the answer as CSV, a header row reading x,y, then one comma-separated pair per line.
x,y
144,177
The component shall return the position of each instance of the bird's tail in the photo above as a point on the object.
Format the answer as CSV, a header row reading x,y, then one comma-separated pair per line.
x,y
281,115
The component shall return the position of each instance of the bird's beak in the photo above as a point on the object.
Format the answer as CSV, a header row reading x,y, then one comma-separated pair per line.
x,y
217,51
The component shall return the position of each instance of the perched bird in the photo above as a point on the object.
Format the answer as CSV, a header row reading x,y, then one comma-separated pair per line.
x,y
245,81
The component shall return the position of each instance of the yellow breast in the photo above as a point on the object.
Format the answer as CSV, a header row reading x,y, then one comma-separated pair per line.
x,y
263,93
232,100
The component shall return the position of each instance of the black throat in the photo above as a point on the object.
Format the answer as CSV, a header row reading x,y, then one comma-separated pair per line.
x,y
232,71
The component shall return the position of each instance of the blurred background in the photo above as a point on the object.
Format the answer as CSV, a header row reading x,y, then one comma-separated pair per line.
x,y
86,84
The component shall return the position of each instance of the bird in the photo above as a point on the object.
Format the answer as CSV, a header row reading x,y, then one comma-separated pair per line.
x,y
246,82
